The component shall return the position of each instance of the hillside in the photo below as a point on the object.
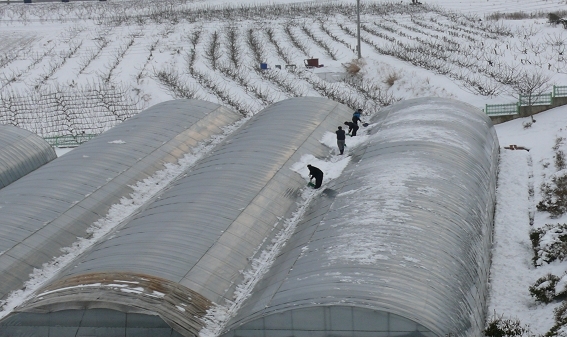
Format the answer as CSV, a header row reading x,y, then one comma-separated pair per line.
x,y
81,68
100,55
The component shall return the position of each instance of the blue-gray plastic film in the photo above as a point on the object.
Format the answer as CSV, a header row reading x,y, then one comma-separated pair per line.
x,y
405,231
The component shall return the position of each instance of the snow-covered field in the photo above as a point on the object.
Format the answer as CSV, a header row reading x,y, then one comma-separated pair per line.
x,y
97,63
108,60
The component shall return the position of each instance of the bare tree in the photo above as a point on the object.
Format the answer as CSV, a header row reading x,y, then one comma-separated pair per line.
x,y
255,46
531,83
213,51
232,43
331,52
295,41
173,83
282,53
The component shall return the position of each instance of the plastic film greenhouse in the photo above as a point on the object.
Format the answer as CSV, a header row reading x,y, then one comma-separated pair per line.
x,y
54,205
22,152
396,245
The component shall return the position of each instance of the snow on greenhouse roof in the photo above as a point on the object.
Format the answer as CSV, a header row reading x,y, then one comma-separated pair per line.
x,y
396,243
405,232
69,199
202,232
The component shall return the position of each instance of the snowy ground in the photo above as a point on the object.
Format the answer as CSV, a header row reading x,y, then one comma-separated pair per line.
x,y
512,269
41,54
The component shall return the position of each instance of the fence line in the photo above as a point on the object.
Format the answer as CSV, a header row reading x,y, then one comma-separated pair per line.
x,y
536,99
525,100
559,91
502,109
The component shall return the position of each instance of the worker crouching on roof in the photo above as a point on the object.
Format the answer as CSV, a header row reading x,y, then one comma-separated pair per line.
x,y
316,173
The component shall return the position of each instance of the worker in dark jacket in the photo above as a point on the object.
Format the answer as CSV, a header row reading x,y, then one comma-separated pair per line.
x,y
352,128
341,139
317,174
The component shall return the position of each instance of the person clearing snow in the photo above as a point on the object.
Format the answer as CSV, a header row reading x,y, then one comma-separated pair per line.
x,y
341,139
316,173
352,128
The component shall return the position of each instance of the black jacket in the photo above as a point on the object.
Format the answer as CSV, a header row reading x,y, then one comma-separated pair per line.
x,y
351,125
341,135
315,172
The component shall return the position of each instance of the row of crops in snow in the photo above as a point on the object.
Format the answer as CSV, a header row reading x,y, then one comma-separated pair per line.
x,y
83,67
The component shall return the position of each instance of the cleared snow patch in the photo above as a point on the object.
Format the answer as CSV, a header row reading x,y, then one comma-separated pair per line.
x,y
218,316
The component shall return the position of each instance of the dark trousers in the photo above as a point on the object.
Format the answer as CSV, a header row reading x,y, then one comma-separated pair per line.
x,y
341,145
318,182
353,130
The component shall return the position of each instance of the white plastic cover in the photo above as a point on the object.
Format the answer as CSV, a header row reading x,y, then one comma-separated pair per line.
x,y
202,232
400,244
50,208
21,152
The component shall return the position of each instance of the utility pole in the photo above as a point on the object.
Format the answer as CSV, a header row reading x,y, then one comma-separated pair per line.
x,y
358,28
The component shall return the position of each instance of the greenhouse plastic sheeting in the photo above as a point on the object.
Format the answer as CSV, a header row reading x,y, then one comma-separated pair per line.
x,y
53,206
201,234
399,245
21,152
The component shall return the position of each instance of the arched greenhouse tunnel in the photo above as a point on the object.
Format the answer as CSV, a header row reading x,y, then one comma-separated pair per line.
x,y
397,245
